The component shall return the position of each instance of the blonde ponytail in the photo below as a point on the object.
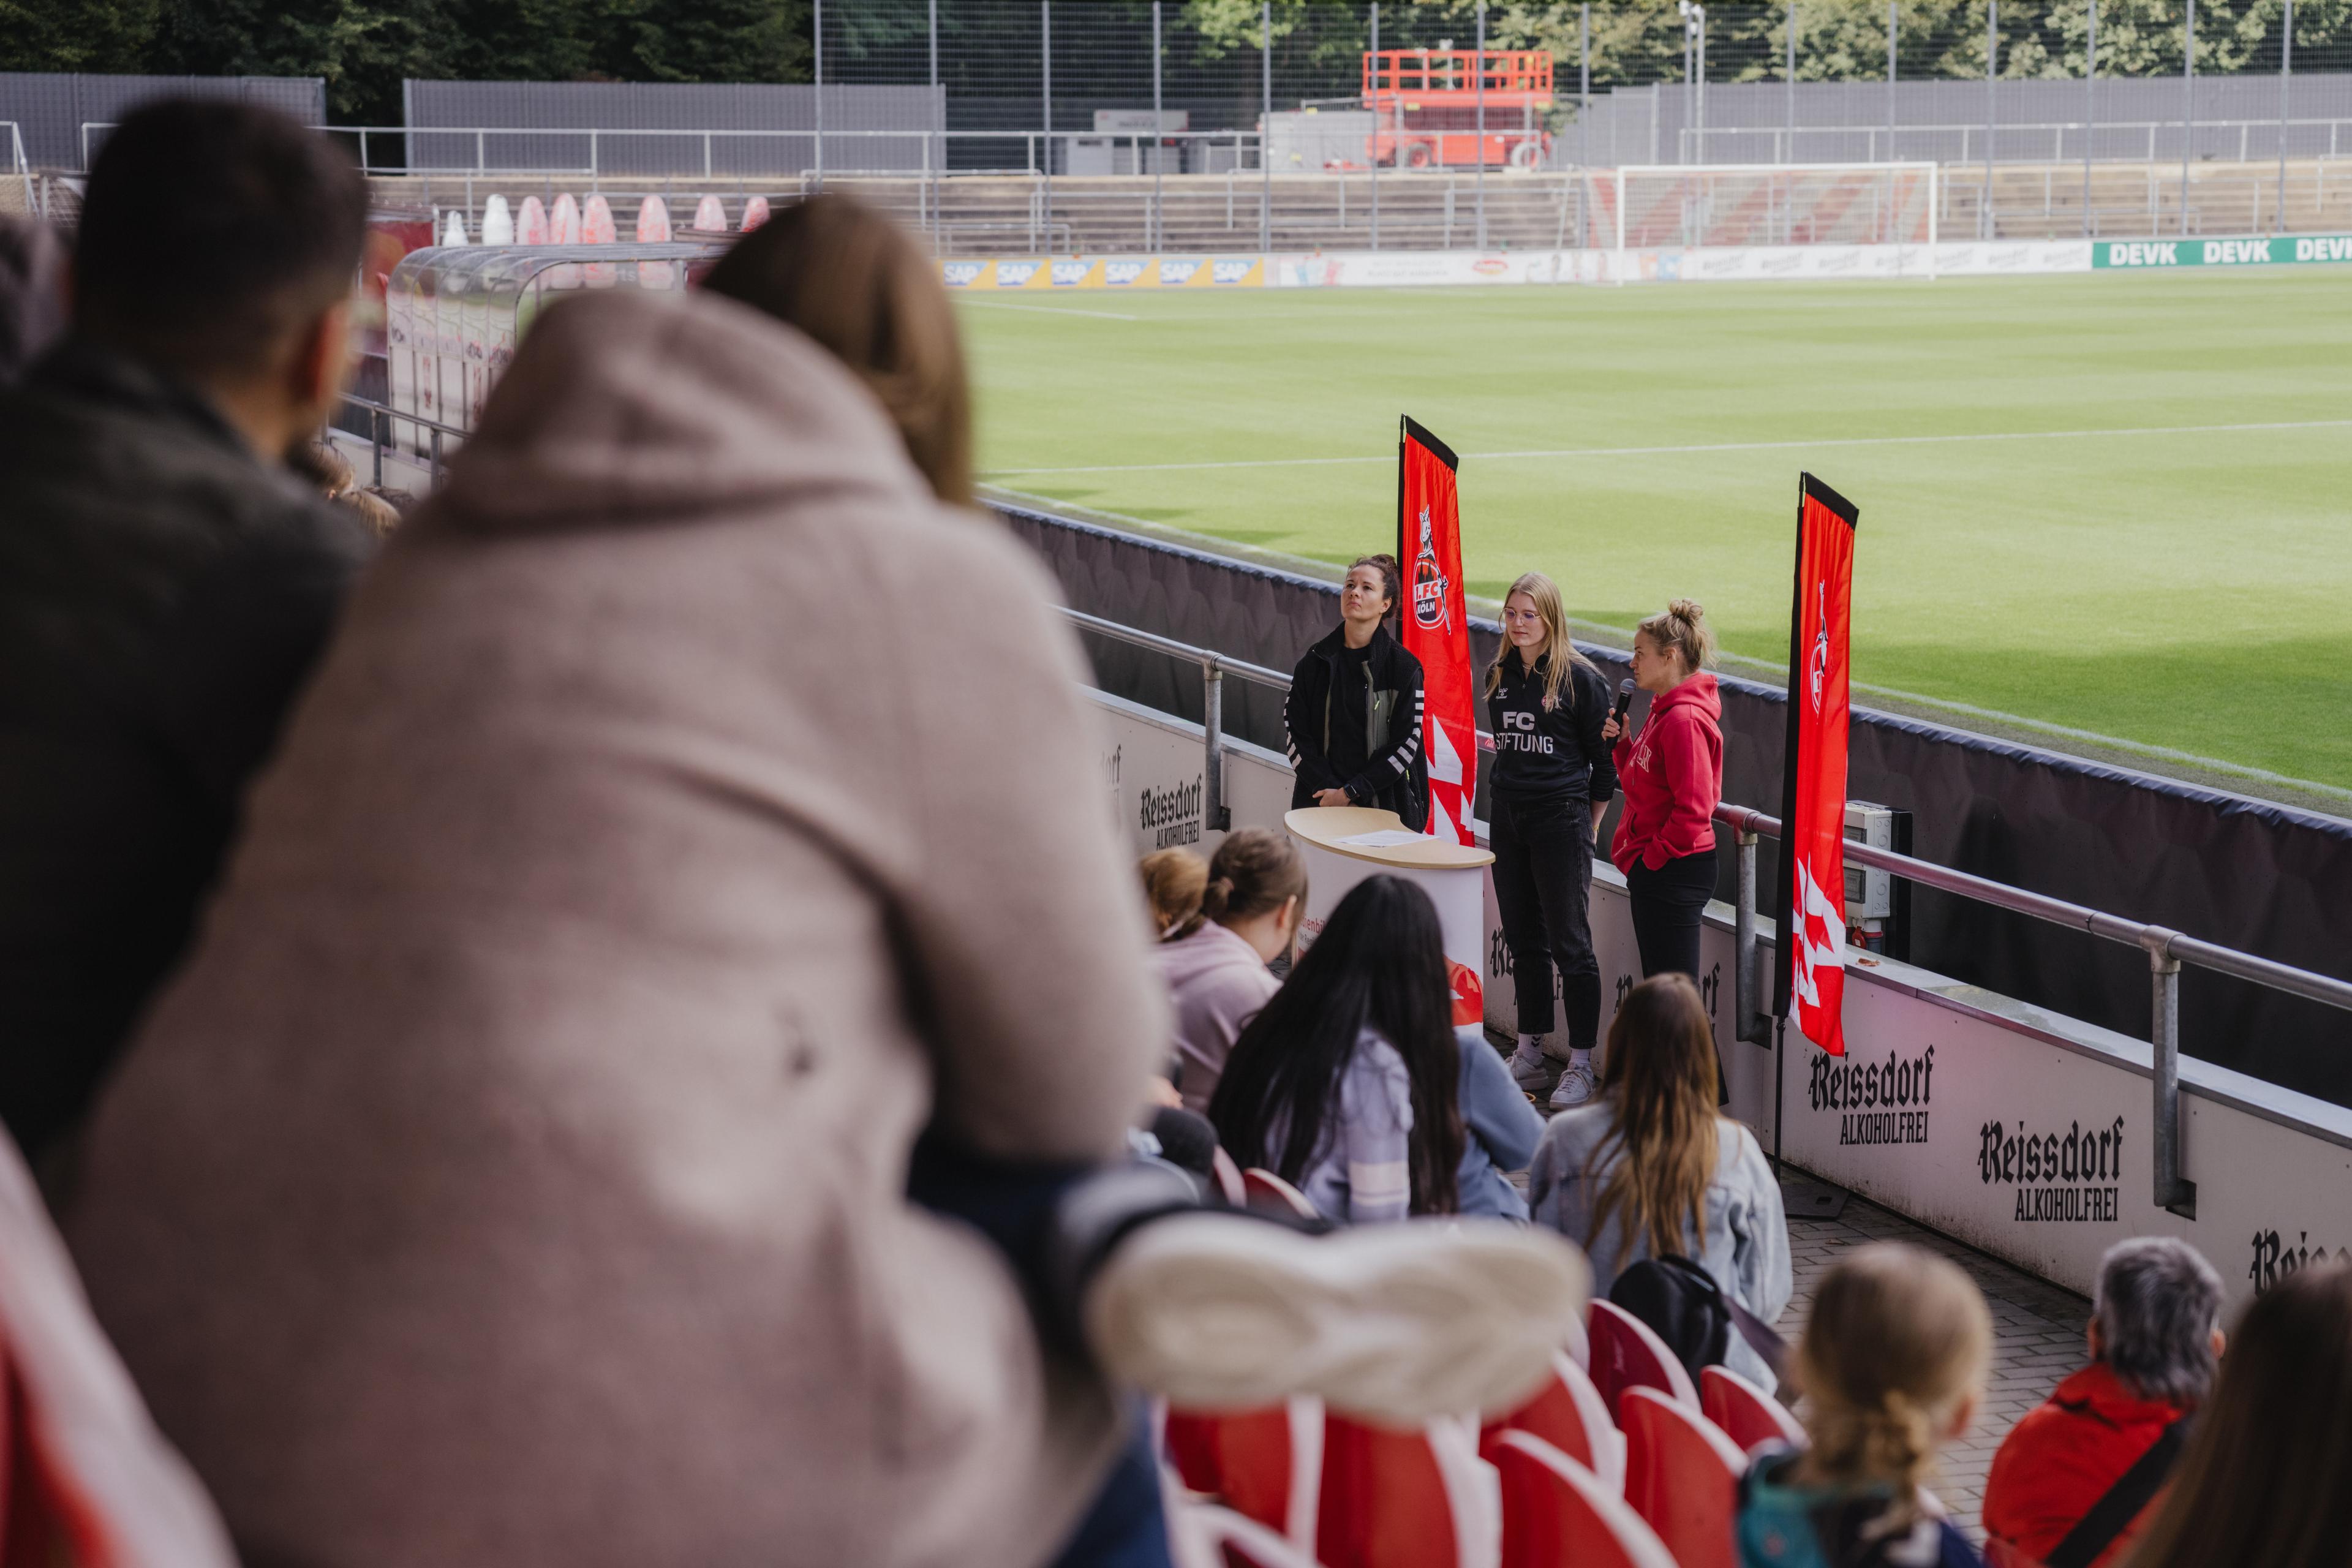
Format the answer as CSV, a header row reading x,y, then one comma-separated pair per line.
x,y
1898,1338
1683,630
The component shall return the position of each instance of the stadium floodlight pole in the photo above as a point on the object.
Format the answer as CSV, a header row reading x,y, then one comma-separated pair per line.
x,y
1690,30
1890,79
2286,69
934,42
1045,53
1992,75
1159,129
2090,104
1789,152
1265,127
2187,103
1479,58
1372,154
1584,118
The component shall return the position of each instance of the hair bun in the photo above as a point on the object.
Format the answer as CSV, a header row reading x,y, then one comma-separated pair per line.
x,y
1689,609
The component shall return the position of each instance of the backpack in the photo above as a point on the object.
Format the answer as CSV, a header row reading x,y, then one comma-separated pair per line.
x,y
1684,1306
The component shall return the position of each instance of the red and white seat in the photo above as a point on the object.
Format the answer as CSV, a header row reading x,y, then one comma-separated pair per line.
x,y
1626,1353
1555,1512
1264,1465
1682,1476
1748,1415
1230,1186
1569,1414
1406,1499
1269,1191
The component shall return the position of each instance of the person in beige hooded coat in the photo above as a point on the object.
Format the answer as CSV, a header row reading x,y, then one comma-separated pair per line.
x,y
690,810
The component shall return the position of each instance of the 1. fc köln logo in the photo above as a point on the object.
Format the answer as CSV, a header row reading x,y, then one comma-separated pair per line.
x,y
1432,605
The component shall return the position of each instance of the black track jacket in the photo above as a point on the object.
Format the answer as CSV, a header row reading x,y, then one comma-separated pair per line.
x,y
1394,775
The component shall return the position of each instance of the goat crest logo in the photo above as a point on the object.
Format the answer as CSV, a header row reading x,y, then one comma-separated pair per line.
x,y
1821,662
1429,607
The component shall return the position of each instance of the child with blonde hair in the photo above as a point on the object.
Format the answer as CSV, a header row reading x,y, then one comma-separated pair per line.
x,y
1173,882
1892,1367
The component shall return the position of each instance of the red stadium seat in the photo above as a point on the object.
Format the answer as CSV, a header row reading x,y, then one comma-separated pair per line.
x,y
1204,1534
1264,1465
1405,1498
1230,1186
1557,1514
709,216
1682,1476
84,1479
1627,1354
1747,1414
653,222
1569,1414
1270,1192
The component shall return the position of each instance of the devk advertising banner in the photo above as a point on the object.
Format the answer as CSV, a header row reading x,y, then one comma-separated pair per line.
x,y
1437,625
1810,968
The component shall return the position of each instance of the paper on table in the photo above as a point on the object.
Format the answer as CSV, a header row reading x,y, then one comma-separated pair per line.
x,y
1386,839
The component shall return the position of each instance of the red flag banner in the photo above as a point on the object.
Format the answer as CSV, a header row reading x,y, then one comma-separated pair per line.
x,y
1808,962
1437,624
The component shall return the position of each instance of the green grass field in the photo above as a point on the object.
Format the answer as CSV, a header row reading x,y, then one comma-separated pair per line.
x,y
2119,505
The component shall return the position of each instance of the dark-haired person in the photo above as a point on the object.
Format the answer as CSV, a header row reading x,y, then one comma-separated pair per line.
x,y
1347,1084
1553,777
2261,1484
2078,1477
1216,963
1355,707
165,582
1650,1167
1672,772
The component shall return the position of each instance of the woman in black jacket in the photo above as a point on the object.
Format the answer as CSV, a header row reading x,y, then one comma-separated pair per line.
x,y
1355,709
1553,778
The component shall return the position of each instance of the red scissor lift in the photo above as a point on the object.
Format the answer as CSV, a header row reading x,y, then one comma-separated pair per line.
x,y
1424,105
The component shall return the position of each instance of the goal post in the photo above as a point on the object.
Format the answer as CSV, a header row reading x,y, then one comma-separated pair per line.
x,y
1691,204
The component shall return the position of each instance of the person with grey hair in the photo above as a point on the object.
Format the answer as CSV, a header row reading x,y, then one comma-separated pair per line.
x,y
2078,1476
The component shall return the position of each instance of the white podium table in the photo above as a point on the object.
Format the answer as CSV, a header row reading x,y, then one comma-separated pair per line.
x,y
1329,837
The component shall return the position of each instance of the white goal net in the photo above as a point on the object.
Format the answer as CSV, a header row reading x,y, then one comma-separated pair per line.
x,y
1772,203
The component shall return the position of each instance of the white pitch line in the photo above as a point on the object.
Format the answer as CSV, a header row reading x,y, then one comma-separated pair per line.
x,y
1046,309
1708,447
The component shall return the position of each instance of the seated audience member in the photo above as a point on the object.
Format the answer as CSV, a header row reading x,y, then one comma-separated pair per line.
x,y
2261,1483
323,467
32,294
165,582
1651,1168
1500,1129
1893,1367
373,508
592,961
1173,882
2076,1479
1215,962
1347,1084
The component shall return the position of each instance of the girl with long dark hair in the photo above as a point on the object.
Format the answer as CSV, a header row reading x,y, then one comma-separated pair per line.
x,y
1547,705
1346,1085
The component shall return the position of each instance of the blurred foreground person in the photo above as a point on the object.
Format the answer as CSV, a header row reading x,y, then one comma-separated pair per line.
x,y
519,1172
2261,1483
2077,1479
32,294
165,581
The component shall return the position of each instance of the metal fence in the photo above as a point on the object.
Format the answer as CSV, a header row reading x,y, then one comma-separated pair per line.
x,y
2167,950
50,108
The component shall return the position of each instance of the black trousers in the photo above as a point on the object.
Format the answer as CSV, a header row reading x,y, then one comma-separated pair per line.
x,y
1543,884
1667,904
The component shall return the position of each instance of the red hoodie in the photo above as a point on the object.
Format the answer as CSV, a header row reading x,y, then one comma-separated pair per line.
x,y
1671,773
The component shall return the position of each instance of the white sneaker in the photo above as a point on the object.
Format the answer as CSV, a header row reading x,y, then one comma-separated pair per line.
x,y
1576,1086
1528,1072
1400,1323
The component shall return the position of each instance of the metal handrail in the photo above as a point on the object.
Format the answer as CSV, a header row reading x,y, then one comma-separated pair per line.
x,y
381,414
2166,949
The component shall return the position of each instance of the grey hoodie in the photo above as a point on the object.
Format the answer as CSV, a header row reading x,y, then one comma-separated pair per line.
x,y
515,1174
1218,984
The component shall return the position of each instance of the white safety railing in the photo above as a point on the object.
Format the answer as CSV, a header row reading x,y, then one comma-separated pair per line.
x,y
2013,142
21,166
2166,949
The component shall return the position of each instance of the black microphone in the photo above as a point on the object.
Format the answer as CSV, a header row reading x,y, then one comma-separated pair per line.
x,y
1624,700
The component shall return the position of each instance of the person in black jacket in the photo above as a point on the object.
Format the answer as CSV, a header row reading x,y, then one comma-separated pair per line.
x,y
1553,779
165,582
1354,713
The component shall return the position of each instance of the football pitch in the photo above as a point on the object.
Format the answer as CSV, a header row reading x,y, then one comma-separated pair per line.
x,y
2101,505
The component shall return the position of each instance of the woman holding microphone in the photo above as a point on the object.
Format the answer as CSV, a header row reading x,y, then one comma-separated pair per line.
x,y
1672,773
1554,775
